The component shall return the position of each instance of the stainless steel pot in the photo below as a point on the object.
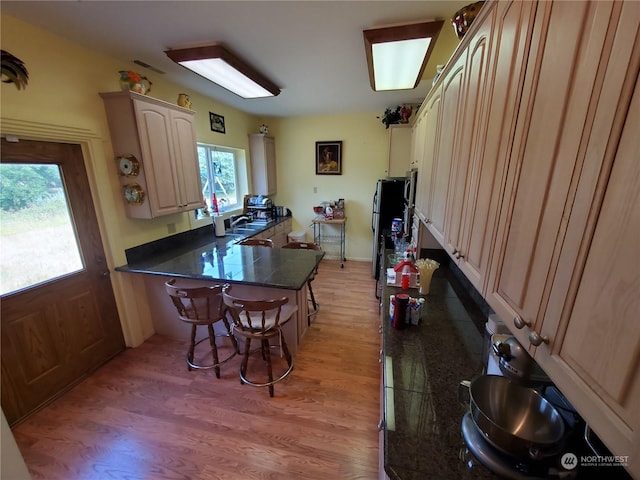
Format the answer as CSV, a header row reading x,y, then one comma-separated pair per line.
x,y
515,419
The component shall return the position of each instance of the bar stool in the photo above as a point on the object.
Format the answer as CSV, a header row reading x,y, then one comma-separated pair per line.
x,y
257,242
202,306
260,320
308,246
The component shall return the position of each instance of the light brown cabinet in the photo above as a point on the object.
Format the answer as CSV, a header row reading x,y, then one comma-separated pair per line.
x,y
427,125
444,146
585,333
263,164
542,199
399,159
161,137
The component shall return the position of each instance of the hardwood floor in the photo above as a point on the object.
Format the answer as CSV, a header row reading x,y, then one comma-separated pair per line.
x,y
144,416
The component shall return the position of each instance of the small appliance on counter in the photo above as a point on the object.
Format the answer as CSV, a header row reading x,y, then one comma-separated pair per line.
x,y
260,207
519,425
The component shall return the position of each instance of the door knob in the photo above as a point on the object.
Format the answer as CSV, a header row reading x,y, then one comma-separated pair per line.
x,y
520,323
536,339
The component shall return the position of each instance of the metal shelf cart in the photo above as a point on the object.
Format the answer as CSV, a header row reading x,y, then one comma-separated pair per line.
x,y
322,238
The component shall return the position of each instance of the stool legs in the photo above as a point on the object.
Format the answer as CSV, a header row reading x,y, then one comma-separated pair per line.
x,y
214,350
245,359
211,336
313,303
265,352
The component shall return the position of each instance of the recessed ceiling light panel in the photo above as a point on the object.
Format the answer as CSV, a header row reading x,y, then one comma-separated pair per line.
x,y
218,65
397,56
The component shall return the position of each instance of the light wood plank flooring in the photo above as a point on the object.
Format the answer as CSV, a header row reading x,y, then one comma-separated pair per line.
x,y
144,416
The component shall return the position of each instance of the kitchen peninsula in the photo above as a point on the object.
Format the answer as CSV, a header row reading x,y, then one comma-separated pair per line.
x,y
199,258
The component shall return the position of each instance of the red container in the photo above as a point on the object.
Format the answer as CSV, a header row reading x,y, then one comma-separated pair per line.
x,y
400,312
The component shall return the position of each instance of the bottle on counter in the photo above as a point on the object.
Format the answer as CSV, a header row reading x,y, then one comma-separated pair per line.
x,y
399,316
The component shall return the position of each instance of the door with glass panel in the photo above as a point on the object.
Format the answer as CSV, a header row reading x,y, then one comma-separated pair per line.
x,y
59,319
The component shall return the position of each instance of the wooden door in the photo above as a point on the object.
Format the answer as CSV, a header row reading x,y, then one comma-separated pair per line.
x,y
561,71
447,124
186,159
591,328
468,132
429,125
156,143
57,331
493,130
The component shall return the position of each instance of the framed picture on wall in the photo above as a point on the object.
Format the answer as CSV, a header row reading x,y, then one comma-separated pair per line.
x,y
217,122
329,158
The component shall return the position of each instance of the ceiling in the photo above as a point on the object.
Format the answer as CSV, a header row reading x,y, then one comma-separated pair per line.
x,y
314,50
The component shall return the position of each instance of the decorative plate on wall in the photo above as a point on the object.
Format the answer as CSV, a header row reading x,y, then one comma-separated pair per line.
x,y
128,165
133,194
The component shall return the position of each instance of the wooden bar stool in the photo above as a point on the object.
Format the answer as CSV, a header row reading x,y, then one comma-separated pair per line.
x,y
260,320
257,242
308,246
202,306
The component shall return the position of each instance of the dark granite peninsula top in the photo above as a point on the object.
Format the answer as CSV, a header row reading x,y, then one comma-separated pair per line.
x,y
200,255
423,365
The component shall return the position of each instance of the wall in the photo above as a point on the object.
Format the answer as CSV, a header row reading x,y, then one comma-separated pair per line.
x,y
364,152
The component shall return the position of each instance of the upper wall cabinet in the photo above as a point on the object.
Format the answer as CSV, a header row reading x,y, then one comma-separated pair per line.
x,y
493,84
534,192
399,161
159,138
443,157
263,164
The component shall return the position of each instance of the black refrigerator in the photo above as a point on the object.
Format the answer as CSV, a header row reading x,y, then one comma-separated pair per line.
x,y
388,203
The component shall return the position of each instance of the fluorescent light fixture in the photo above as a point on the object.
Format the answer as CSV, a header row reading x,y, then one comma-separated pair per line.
x,y
217,64
397,56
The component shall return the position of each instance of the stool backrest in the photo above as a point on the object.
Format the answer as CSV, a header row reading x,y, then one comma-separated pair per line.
x,y
253,316
302,246
257,242
196,304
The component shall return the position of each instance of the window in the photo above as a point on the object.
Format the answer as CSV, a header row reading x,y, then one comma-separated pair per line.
x,y
219,175
38,238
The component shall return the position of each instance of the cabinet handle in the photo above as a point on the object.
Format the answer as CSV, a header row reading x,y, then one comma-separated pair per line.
x,y
520,323
536,339
380,424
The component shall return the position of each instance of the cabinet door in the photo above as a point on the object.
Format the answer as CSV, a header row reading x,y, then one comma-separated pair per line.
x,y
508,31
448,122
467,133
186,158
399,150
156,143
591,324
263,164
427,123
561,70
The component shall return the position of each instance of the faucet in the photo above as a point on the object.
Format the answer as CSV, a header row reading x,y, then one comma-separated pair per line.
x,y
238,220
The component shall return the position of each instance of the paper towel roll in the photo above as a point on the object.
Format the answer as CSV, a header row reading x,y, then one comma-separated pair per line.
x,y
218,223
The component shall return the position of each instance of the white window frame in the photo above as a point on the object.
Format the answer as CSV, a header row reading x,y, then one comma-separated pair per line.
x,y
241,180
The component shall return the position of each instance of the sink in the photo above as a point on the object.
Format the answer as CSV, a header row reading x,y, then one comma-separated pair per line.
x,y
243,230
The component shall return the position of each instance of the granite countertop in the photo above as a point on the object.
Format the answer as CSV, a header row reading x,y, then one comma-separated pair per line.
x,y
200,255
423,365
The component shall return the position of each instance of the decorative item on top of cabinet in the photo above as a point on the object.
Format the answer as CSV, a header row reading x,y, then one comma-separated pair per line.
x,y
464,17
184,100
161,138
130,80
263,164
